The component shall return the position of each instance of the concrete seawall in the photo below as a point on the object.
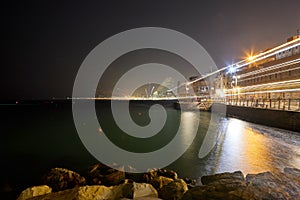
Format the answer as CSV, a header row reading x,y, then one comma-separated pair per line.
x,y
288,120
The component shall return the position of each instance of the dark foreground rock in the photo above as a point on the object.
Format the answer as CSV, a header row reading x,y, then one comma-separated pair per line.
x,y
60,179
164,184
99,192
104,175
262,186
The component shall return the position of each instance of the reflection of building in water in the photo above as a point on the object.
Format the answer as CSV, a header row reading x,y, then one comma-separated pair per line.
x,y
276,77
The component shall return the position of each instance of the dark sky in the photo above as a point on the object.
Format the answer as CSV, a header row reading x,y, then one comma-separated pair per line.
x,y
44,42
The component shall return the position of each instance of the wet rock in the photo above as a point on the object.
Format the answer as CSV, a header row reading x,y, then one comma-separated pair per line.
x,y
152,174
256,186
149,176
144,190
102,174
159,181
292,172
217,186
173,190
85,192
98,192
273,186
200,192
167,173
34,191
190,182
60,179
236,176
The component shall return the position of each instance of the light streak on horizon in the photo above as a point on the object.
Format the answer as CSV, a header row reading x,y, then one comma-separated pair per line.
x,y
263,92
277,72
277,66
266,85
255,58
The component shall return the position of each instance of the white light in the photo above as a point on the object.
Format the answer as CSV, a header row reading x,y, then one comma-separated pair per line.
x,y
231,69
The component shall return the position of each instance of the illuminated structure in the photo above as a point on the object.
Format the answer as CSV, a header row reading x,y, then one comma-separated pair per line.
x,y
270,79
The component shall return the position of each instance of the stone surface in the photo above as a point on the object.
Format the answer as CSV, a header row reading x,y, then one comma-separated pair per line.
x,y
256,186
274,186
173,190
167,173
264,186
159,181
236,176
34,191
60,179
190,182
144,190
98,192
102,174
101,192
153,173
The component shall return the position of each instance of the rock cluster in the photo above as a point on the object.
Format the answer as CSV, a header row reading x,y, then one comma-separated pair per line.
x,y
102,182
264,185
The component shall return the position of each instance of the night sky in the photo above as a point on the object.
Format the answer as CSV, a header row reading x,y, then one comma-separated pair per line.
x,y
44,42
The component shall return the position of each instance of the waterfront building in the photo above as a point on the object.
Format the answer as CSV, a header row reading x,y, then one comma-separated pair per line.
x,y
270,79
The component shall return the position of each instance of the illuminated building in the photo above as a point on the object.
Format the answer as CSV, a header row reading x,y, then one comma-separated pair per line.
x,y
270,79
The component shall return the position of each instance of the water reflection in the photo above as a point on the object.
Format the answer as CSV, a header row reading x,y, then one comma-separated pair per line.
x,y
188,123
245,147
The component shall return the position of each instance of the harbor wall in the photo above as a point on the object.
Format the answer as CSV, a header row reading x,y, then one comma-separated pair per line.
x,y
288,120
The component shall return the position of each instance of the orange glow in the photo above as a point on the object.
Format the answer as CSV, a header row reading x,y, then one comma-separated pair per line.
x,y
250,55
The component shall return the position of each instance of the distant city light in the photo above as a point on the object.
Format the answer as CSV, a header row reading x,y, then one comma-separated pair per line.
x,y
232,69
250,58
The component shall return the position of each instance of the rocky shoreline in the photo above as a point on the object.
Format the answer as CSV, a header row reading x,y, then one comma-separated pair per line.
x,y
101,182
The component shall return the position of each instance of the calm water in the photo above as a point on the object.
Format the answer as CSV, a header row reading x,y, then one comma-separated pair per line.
x,y
35,138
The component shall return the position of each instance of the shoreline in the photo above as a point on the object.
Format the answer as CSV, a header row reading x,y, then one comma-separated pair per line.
x,y
102,182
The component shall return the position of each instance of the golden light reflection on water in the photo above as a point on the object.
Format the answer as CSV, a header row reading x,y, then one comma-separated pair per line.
x,y
188,123
245,148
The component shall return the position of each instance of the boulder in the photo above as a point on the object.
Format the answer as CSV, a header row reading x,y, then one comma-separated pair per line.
x,y
60,179
102,174
101,192
144,190
167,173
256,186
236,176
149,176
294,173
190,182
159,181
98,192
153,173
173,190
34,191
217,186
274,186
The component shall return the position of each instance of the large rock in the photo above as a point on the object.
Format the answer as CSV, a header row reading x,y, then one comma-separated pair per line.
x,y
100,192
153,173
167,173
60,179
173,190
143,190
160,181
236,176
34,191
217,186
256,186
190,182
102,174
274,186
293,173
